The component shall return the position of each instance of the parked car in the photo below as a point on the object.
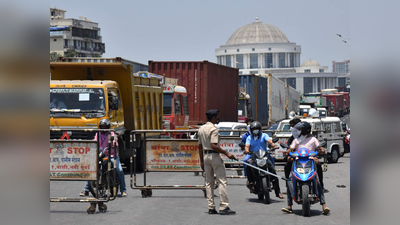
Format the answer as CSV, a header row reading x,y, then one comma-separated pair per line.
x,y
273,127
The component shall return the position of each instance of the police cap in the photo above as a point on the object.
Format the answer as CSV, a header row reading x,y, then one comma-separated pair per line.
x,y
212,112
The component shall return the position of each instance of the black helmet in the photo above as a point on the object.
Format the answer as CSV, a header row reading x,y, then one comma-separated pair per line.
x,y
255,126
304,127
104,124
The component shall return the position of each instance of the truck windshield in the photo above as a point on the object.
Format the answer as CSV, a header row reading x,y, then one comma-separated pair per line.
x,y
241,106
77,100
285,127
167,107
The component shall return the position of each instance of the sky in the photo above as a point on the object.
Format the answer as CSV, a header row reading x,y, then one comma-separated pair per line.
x,y
191,30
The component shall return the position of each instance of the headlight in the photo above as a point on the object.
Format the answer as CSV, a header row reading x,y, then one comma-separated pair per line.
x,y
261,162
260,153
303,168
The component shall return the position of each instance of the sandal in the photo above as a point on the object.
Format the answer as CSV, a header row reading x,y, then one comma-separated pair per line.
x,y
326,211
288,210
280,196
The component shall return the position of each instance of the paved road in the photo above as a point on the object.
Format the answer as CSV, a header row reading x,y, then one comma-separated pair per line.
x,y
190,207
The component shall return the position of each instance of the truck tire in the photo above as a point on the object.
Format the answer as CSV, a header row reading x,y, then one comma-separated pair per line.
x,y
334,156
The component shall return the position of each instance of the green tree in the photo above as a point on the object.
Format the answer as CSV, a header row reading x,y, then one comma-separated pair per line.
x,y
54,56
70,53
96,55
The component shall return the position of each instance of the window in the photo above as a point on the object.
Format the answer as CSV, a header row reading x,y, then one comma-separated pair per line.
x,y
225,50
295,48
268,60
307,71
281,60
228,60
65,43
239,61
178,110
185,105
318,126
253,49
253,61
318,84
308,86
336,127
167,104
119,100
342,81
237,50
254,72
291,82
291,59
54,39
269,49
328,128
321,70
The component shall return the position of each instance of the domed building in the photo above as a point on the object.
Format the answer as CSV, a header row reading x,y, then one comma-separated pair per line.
x,y
259,48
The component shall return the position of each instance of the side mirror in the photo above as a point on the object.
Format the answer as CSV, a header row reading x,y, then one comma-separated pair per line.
x,y
275,140
322,144
283,145
242,145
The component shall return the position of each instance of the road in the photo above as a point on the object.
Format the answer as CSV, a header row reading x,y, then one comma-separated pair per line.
x,y
190,206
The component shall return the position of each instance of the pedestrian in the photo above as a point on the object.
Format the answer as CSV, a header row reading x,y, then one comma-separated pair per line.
x,y
212,163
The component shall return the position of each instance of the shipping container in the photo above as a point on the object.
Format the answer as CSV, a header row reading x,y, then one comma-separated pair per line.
x,y
277,99
346,103
208,85
336,106
294,99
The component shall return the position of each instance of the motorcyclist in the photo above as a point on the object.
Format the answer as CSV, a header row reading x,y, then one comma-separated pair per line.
x,y
256,141
105,124
243,143
302,134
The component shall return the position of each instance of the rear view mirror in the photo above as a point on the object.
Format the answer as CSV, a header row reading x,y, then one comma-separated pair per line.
x,y
275,140
241,144
283,145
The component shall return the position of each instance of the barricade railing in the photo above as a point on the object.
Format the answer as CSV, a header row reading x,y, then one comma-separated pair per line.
x,y
78,160
164,155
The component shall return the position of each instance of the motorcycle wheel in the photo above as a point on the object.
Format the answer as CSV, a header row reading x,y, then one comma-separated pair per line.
x,y
264,184
306,201
260,195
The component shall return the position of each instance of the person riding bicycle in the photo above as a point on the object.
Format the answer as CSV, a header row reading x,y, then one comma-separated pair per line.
x,y
256,141
105,124
303,139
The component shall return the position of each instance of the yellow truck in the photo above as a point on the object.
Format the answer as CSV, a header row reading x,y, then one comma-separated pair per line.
x,y
84,91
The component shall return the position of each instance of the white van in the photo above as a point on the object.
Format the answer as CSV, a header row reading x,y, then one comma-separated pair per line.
x,y
330,131
231,126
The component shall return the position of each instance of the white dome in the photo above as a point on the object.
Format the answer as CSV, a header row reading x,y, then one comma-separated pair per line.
x,y
257,32
310,63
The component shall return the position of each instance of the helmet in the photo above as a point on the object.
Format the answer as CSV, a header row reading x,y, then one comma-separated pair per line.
x,y
104,124
304,127
255,126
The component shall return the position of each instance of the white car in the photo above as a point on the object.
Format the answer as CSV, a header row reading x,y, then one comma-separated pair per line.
x,y
231,126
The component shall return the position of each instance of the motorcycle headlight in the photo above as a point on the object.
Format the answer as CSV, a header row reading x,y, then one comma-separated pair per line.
x,y
260,153
303,168
261,162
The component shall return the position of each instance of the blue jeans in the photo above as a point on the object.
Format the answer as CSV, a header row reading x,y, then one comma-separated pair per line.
x,y
120,175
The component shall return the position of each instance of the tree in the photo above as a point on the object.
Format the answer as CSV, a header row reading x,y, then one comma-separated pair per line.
x,y
54,56
96,55
70,53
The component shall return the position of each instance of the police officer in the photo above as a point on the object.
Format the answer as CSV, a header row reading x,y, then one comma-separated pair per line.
x,y
211,162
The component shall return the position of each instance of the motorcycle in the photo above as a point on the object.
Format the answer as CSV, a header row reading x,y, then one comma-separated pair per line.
x,y
103,183
260,160
303,185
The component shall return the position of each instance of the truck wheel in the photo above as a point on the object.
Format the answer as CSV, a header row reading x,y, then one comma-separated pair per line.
x,y
306,201
334,157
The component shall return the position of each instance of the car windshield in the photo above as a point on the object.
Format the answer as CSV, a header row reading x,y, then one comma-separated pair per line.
x,y
167,107
225,133
77,100
285,127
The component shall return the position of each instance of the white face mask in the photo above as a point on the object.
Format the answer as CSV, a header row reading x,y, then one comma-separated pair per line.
x,y
301,138
296,133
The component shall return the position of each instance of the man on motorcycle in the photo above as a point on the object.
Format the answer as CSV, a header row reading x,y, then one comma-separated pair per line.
x,y
303,139
244,137
256,141
105,124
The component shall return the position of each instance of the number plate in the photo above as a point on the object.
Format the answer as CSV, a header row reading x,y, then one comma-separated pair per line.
x,y
312,195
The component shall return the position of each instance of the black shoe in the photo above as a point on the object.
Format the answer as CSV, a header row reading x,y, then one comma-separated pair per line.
x,y
212,211
226,211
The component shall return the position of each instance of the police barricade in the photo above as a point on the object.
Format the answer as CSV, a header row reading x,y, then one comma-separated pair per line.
x,y
164,155
78,160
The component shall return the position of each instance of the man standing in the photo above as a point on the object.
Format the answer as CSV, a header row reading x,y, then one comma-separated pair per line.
x,y
211,162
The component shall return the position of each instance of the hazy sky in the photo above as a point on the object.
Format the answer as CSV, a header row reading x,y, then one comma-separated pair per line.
x,y
191,30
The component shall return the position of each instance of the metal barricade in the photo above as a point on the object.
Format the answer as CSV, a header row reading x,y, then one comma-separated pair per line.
x,y
164,155
78,160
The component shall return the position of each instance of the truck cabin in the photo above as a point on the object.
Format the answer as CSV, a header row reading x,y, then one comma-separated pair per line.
x,y
175,107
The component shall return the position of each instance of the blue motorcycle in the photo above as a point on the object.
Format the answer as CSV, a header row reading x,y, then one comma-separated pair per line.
x,y
303,183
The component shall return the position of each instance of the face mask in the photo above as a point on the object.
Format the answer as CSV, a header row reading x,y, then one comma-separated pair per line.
x,y
255,132
301,138
296,133
218,121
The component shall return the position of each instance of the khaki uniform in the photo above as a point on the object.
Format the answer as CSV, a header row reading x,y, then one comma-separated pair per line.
x,y
213,163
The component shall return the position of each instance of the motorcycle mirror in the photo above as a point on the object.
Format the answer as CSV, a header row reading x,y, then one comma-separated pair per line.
x,y
283,145
275,140
322,144
241,145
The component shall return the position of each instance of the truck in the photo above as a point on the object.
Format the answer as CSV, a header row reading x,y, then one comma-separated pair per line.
x,y
244,106
336,106
105,88
292,99
346,103
209,86
268,97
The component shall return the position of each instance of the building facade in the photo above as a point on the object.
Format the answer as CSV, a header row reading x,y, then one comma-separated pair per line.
x,y
260,48
81,35
341,67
